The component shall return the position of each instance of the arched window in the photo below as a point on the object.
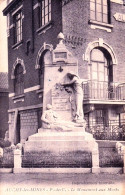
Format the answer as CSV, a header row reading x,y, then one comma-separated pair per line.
x,y
99,66
100,72
19,80
45,59
41,73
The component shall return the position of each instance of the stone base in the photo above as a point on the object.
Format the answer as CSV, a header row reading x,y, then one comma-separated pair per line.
x,y
95,169
55,141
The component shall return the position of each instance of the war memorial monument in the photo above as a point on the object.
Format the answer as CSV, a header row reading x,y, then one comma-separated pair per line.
x,y
63,123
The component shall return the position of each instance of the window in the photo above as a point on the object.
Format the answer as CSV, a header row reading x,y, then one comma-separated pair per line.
x,y
99,10
18,27
8,21
100,73
41,76
99,66
44,60
101,117
41,71
45,12
19,80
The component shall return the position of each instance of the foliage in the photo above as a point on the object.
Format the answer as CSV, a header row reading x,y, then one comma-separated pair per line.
x,y
7,161
60,159
4,143
109,157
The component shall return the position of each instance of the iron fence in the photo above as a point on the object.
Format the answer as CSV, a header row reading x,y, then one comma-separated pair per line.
x,y
108,157
114,131
48,160
120,91
101,90
7,160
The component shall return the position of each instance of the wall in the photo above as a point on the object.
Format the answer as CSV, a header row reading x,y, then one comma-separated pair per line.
x,y
31,78
3,39
30,117
3,113
76,27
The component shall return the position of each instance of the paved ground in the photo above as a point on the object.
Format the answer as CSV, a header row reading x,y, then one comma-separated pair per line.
x,y
63,184
47,184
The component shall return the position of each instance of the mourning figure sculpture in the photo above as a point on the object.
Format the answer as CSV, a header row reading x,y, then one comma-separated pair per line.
x,y
76,84
50,120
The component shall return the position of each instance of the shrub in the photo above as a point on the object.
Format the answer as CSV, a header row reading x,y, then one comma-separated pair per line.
x,y
7,161
4,143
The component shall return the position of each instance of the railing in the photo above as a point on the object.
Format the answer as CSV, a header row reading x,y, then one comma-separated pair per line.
x,y
121,91
108,157
103,91
113,131
48,159
7,160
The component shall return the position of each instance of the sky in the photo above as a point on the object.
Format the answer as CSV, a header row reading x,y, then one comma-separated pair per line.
x,y
3,39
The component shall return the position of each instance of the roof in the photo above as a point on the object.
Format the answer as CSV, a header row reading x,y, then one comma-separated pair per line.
x,y
10,7
3,81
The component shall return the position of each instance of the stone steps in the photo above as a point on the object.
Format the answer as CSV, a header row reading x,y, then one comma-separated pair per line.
x,y
60,141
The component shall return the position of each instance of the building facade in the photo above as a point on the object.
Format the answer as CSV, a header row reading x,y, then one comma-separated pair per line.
x,y
94,32
4,103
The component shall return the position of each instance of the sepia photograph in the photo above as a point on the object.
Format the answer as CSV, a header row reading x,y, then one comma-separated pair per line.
x,y
62,97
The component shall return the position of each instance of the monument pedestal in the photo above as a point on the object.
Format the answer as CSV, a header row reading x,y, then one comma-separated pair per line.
x,y
57,141
63,149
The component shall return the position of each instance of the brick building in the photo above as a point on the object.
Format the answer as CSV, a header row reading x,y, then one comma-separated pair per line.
x,y
4,103
94,33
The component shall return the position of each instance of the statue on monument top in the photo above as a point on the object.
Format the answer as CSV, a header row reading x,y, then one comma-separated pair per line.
x,y
76,84
50,120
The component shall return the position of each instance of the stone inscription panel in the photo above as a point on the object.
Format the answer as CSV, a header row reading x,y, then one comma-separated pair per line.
x,y
60,55
60,100
61,104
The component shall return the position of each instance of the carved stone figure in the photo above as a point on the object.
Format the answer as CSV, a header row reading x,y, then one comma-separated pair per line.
x,y
50,120
76,84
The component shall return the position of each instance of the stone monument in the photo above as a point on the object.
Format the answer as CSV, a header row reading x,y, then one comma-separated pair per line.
x,y
63,123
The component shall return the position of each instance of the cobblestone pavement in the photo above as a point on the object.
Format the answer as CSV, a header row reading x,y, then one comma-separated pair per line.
x,y
47,184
